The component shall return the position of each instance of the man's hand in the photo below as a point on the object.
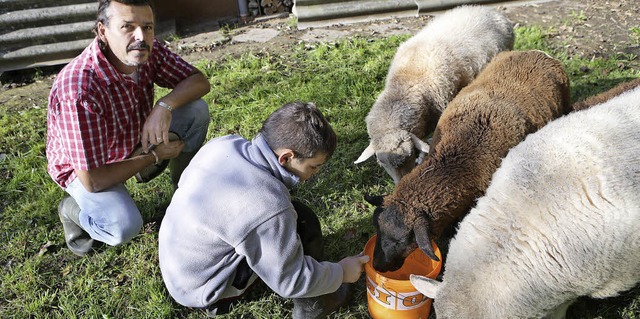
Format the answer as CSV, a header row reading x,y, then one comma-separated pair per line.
x,y
156,128
106,176
168,150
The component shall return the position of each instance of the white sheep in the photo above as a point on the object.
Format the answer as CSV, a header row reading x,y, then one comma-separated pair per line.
x,y
426,72
560,220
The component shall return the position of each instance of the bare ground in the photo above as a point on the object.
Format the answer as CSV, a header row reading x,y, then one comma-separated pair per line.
x,y
585,28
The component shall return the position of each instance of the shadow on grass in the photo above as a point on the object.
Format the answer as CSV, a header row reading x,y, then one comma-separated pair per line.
x,y
582,91
609,308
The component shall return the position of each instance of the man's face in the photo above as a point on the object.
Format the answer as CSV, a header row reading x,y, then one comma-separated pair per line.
x,y
128,35
304,168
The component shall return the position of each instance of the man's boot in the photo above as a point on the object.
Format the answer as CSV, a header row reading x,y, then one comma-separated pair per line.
x,y
177,166
78,240
321,306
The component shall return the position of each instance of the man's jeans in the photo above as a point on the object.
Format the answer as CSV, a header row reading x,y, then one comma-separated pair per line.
x,y
111,216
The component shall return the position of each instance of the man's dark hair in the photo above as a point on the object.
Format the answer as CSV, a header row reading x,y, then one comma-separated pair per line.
x,y
102,13
300,127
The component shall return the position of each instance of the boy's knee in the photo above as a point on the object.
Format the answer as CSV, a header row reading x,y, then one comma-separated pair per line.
x,y
310,231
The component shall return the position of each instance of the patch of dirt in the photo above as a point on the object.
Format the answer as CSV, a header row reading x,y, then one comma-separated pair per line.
x,y
584,28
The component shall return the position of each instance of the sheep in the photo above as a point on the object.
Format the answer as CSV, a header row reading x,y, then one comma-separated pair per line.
x,y
516,94
603,97
560,220
426,72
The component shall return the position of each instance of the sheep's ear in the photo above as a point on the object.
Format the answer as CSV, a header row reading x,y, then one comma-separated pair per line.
x,y
420,144
375,200
425,285
421,232
368,152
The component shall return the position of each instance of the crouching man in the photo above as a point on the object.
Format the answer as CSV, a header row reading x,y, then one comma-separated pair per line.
x,y
101,107
232,221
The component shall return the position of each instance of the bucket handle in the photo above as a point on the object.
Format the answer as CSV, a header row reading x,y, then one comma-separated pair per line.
x,y
386,290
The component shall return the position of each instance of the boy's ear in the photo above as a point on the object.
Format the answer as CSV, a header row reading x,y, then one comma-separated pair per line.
x,y
284,156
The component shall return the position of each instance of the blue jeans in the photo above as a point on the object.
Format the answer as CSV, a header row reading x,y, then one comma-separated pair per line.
x,y
111,216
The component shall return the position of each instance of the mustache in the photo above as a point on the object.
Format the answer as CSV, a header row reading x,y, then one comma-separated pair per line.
x,y
138,46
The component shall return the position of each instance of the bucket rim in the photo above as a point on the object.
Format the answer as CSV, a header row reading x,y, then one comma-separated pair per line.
x,y
435,266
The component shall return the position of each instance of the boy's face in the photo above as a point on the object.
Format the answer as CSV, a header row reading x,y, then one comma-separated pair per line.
x,y
304,168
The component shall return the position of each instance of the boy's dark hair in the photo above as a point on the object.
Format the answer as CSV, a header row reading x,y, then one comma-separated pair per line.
x,y
102,13
300,127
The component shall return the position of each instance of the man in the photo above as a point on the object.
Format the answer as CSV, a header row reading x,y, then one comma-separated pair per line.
x,y
101,108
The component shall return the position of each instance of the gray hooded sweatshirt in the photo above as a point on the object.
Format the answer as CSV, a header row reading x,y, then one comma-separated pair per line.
x,y
233,203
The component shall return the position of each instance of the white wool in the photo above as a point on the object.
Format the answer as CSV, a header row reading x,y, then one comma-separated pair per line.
x,y
560,220
426,72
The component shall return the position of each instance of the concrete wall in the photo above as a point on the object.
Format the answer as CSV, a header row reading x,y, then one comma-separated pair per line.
x,y
48,32
190,13
37,33
316,13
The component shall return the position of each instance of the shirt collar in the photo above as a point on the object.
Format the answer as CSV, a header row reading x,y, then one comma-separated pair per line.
x,y
105,71
289,179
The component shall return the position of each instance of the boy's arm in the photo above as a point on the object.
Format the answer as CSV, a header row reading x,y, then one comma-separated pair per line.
x,y
274,252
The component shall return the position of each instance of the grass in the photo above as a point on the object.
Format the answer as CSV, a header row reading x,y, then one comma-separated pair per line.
x,y
634,34
40,278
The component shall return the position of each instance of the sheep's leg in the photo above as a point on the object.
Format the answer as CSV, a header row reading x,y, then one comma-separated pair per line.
x,y
420,158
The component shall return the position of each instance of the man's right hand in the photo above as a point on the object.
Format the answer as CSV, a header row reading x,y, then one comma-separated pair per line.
x,y
169,150
106,176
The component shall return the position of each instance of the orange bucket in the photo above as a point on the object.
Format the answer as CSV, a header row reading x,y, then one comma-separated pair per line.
x,y
391,294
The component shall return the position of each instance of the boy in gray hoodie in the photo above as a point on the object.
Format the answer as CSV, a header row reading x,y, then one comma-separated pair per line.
x,y
232,221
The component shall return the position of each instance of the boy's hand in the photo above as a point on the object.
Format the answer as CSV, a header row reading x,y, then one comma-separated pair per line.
x,y
352,267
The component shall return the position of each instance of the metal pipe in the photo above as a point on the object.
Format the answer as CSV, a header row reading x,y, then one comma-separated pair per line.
x,y
244,9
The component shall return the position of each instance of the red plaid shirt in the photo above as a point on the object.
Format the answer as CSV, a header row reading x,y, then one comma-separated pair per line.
x,y
96,114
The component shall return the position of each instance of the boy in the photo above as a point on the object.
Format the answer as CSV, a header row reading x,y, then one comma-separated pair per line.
x,y
231,220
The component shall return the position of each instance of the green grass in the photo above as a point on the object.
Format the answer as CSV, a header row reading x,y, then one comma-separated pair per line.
x,y
634,34
40,278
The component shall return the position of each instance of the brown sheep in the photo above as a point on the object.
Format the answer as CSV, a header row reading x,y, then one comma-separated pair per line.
x,y
606,96
516,94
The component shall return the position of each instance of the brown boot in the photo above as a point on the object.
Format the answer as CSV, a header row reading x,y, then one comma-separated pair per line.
x,y
321,306
177,166
78,240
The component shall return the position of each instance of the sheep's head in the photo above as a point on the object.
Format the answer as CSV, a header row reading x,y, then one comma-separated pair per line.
x,y
394,242
395,239
461,297
396,152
